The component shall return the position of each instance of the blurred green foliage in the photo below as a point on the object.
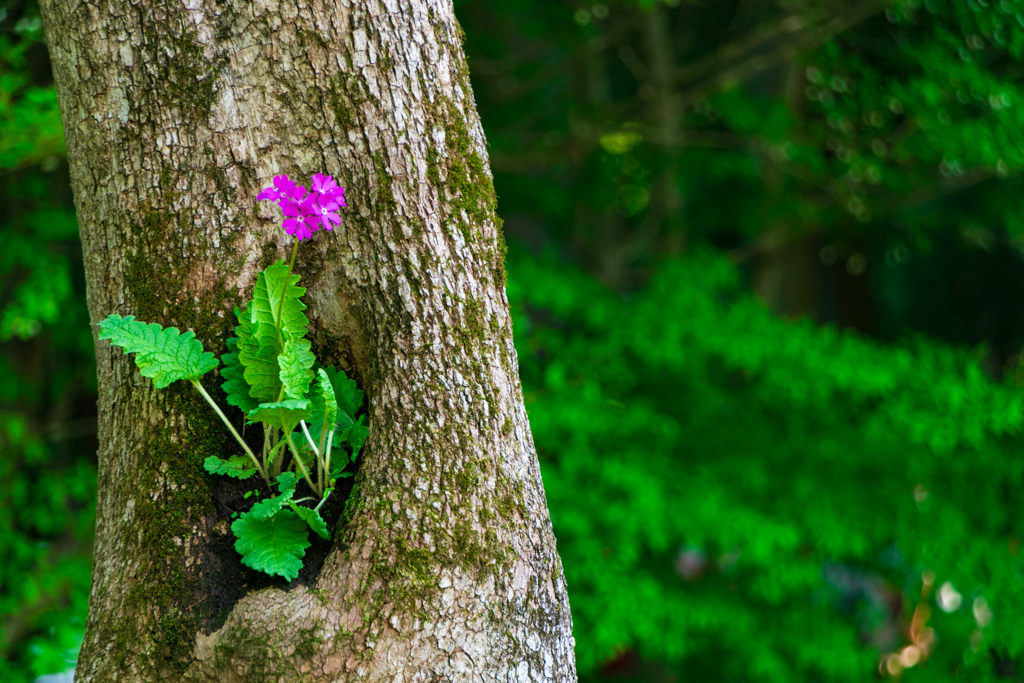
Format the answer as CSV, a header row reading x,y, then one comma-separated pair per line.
x,y
47,378
745,498
738,496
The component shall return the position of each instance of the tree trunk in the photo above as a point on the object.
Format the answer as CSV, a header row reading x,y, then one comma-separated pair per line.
x,y
668,202
444,564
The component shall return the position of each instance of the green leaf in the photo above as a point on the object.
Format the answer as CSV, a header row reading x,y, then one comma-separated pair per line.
x,y
274,360
274,545
284,415
296,368
268,308
325,406
348,395
343,423
329,397
287,481
356,436
313,518
339,461
261,370
264,376
237,466
235,386
165,355
267,508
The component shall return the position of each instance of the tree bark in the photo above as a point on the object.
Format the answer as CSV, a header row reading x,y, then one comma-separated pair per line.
x,y
444,564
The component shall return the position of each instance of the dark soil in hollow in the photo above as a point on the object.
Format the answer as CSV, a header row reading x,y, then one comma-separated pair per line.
x,y
223,580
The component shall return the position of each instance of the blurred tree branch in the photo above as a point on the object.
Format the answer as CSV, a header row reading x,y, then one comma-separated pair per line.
x,y
741,60
735,61
760,49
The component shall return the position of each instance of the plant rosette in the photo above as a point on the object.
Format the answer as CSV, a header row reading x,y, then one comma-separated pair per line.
x,y
311,431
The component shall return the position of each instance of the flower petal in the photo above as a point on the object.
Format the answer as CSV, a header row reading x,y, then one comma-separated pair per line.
x,y
284,184
322,183
327,202
289,208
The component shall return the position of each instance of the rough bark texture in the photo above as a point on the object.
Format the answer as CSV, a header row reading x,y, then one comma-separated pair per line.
x,y
444,564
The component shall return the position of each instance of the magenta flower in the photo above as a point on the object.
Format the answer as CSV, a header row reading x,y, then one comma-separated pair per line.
x,y
298,221
286,189
323,184
305,214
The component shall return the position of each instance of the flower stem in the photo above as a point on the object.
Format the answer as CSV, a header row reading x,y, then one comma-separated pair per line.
x,y
316,451
302,466
305,430
327,455
231,427
323,435
266,448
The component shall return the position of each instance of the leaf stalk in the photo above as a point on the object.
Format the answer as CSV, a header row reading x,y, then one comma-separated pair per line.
x,y
231,428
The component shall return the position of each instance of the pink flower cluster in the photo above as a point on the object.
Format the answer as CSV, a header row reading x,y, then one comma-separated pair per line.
x,y
305,214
